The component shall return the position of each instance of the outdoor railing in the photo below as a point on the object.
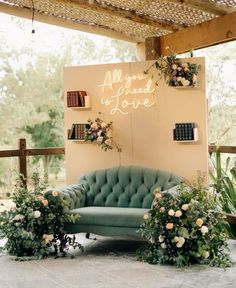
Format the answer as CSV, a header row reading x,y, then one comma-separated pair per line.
x,y
23,152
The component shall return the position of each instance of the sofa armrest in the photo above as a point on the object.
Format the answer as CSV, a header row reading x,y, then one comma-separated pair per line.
x,y
73,194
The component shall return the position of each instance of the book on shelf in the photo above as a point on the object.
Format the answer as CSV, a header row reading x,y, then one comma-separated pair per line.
x,y
77,131
184,131
76,98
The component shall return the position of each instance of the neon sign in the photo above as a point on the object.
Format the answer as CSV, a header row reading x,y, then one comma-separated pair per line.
x,y
123,92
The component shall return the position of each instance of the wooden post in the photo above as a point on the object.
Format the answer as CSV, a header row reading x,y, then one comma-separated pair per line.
x,y
152,48
22,160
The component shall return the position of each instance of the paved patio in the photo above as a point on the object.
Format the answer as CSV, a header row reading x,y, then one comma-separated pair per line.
x,y
110,263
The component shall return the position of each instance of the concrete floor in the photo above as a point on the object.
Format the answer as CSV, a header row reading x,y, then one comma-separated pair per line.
x,y
110,263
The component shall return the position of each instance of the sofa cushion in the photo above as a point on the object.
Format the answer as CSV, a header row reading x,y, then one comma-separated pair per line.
x,y
130,186
110,216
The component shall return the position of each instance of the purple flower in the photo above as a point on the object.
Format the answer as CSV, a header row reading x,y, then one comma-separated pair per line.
x,y
174,78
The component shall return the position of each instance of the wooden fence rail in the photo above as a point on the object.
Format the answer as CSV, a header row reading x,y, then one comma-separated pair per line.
x,y
23,152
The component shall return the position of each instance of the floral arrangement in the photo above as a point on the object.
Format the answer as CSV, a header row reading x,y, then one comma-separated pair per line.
x,y
101,132
34,226
185,228
176,72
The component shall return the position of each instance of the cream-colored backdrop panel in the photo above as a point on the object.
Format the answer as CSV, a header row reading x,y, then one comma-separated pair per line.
x,y
145,134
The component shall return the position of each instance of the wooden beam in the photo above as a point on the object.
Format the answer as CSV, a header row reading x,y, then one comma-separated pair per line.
x,y
206,6
152,48
22,160
222,149
24,12
45,151
127,14
219,30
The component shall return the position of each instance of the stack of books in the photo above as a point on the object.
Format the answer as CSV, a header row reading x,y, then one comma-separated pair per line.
x,y
184,131
77,131
76,98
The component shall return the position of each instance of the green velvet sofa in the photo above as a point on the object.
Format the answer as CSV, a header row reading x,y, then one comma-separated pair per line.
x,y
113,201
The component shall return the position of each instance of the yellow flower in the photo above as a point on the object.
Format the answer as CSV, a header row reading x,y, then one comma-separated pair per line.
x,y
145,216
169,226
55,193
199,222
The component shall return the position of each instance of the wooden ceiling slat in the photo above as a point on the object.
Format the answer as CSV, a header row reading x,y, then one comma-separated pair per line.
x,y
206,6
122,13
219,30
27,13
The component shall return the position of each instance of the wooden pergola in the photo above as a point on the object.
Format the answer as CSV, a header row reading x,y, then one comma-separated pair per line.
x,y
180,25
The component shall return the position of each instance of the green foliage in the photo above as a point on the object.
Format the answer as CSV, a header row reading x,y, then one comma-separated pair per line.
x,y
184,229
224,183
35,224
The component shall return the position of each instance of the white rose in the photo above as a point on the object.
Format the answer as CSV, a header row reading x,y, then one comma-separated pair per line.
x,y
174,66
181,240
205,254
145,216
204,229
185,82
179,245
179,79
171,212
185,65
176,239
55,193
47,238
158,195
160,238
100,139
103,125
163,245
99,133
94,125
184,207
169,226
178,213
108,142
186,69
37,214
162,209
18,217
179,68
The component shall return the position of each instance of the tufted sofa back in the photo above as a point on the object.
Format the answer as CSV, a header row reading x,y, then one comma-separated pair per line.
x,y
125,186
